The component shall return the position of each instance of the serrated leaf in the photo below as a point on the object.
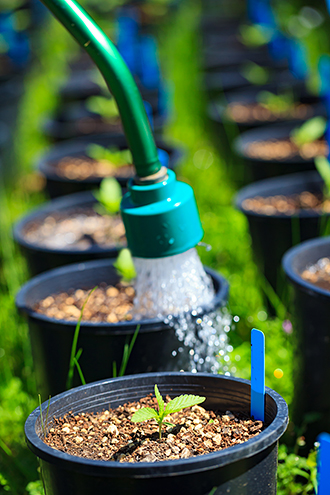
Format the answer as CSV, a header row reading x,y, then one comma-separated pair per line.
x,y
311,130
323,167
110,194
159,400
181,402
144,414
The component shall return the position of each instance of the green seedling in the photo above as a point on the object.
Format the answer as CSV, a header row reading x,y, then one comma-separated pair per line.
x,y
125,266
109,195
44,424
255,74
106,107
74,357
175,405
276,104
309,131
254,35
322,165
114,156
126,355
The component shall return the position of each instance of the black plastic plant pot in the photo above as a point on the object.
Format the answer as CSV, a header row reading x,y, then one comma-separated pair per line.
x,y
311,403
217,109
58,185
248,468
74,120
231,79
256,168
272,235
41,258
102,343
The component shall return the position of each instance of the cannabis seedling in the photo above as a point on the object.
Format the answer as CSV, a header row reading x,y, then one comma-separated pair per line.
x,y
125,266
309,131
255,74
175,405
109,196
322,165
114,156
276,104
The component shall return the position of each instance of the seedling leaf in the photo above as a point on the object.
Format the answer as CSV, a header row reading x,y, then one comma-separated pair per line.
x,y
144,414
159,400
255,35
323,167
255,74
309,131
124,265
106,107
182,402
109,194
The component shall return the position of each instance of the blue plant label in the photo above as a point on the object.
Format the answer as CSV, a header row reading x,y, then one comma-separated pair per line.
x,y
149,64
298,59
257,375
324,73
260,12
127,38
323,464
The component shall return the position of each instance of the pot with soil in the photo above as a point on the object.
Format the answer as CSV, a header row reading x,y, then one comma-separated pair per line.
x,y
270,151
53,301
282,212
68,168
69,229
248,467
307,268
250,108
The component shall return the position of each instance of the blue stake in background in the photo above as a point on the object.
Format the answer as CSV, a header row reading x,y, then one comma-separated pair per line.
x,y
257,375
323,464
324,72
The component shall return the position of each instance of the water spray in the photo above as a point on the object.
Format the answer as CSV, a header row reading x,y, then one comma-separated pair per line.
x,y
159,212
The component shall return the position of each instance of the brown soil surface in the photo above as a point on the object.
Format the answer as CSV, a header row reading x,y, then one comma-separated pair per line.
x,y
111,435
83,168
283,149
79,228
318,274
273,205
107,304
254,112
95,125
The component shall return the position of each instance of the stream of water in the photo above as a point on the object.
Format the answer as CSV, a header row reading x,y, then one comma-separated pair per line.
x,y
177,290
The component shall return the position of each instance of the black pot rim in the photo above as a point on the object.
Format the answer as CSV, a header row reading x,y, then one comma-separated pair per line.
x,y
251,135
58,204
218,299
294,277
260,188
69,146
173,467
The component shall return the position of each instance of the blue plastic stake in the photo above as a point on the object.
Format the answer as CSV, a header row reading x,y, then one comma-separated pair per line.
x,y
324,71
257,375
323,464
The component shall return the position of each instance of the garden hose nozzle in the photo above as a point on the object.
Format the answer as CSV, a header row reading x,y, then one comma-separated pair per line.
x,y
159,212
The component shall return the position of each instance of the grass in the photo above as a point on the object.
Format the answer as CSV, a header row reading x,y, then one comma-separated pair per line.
x,y
209,169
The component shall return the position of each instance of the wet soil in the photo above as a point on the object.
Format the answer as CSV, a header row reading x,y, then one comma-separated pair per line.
x,y
96,125
254,112
318,274
288,205
82,168
76,229
109,304
112,436
284,149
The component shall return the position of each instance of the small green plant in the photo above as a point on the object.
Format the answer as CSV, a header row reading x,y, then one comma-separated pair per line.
x,y
125,266
309,131
254,35
109,195
114,156
276,104
126,355
175,405
44,424
74,357
322,165
255,74
106,107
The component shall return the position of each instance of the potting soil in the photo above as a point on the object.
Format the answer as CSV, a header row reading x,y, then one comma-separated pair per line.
x,y
110,435
318,273
82,168
284,149
279,204
254,112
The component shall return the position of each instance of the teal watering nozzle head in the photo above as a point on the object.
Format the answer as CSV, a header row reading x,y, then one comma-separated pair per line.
x,y
161,219
159,212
